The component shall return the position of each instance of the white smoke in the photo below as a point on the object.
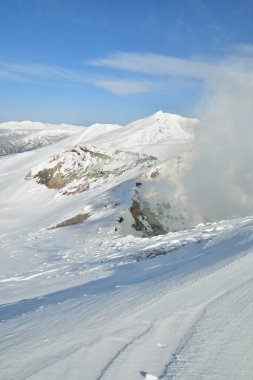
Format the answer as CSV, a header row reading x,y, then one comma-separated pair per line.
x,y
220,182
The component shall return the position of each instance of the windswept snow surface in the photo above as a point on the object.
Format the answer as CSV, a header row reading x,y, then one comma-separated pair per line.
x,y
82,302
95,308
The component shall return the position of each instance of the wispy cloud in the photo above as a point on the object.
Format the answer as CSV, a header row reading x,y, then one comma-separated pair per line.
x,y
155,64
244,49
124,87
131,73
27,72
157,67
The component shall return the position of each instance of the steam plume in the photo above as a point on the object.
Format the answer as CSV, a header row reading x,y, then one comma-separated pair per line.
x,y
220,182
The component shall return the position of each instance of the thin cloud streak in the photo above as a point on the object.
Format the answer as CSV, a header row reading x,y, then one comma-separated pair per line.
x,y
145,72
124,87
156,65
26,72
159,67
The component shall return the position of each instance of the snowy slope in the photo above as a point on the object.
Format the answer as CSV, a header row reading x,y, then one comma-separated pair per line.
x,y
161,134
157,128
184,315
83,298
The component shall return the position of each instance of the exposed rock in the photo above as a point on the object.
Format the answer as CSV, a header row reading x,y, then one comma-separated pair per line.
x,y
79,218
73,171
154,174
145,220
52,177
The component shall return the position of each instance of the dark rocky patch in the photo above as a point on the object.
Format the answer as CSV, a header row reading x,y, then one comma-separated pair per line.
x,y
145,220
77,219
154,174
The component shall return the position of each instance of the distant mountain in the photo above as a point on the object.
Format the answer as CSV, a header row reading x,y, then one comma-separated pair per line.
x,y
22,136
158,135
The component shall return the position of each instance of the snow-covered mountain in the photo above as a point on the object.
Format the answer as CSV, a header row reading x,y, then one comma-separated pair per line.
x,y
150,135
91,160
103,155
101,276
161,135
17,137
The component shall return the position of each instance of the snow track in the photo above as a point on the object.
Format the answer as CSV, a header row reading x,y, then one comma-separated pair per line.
x,y
184,315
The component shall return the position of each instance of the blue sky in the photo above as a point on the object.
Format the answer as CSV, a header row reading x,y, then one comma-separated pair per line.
x,y
85,61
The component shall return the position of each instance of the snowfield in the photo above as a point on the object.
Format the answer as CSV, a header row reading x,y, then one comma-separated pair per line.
x,y
80,299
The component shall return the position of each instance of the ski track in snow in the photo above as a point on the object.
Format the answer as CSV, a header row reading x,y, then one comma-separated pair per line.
x,y
126,346
110,328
